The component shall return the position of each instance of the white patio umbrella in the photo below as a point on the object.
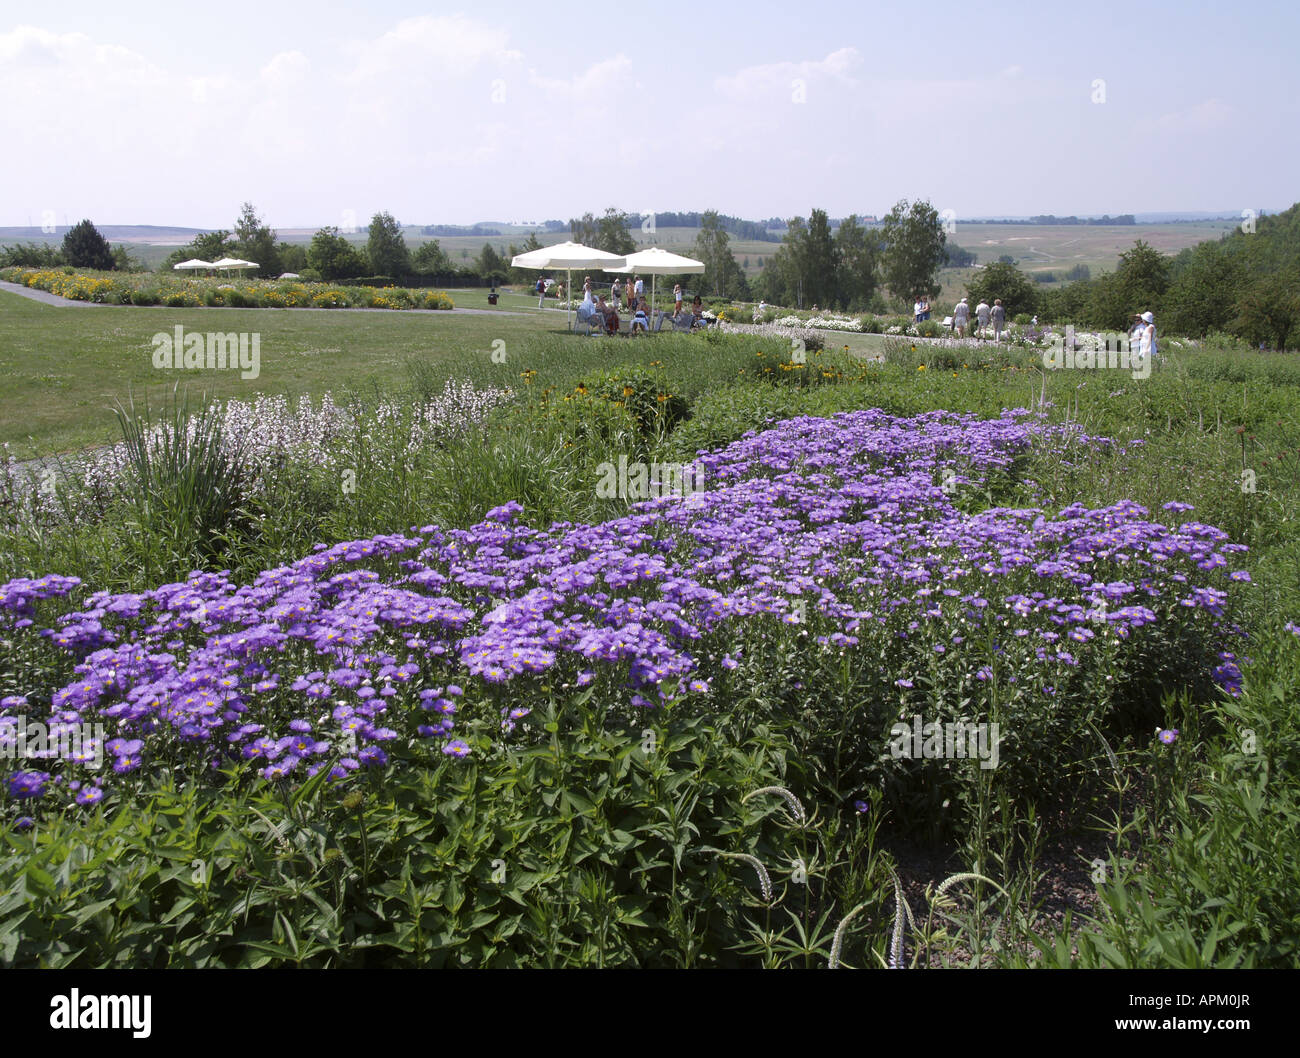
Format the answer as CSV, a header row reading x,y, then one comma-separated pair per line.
x,y
234,262
656,262
567,255
193,264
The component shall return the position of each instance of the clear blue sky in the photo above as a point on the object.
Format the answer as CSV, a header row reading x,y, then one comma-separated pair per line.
x,y
175,114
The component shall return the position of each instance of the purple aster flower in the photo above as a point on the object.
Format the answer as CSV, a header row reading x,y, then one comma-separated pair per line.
x,y
456,748
372,756
1169,736
28,784
861,806
91,795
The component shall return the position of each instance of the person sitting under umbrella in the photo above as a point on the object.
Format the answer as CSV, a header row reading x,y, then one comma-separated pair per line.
x,y
610,313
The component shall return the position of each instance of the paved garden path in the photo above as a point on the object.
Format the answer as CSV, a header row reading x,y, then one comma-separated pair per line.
x,y
43,296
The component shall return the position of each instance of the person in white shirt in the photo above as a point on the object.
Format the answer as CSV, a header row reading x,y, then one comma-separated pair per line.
x,y
640,287
960,316
916,312
1135,331
982,311
1147,340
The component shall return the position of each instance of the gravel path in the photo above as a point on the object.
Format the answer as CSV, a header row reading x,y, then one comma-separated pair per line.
x,y
44,297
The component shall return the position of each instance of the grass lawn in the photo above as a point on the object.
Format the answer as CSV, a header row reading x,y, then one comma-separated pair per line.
x,y
65,367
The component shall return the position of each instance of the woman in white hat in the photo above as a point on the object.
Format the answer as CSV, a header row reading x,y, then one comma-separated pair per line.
x,y
1147,338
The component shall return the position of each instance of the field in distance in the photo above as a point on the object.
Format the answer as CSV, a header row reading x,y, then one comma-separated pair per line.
x,y
1035,247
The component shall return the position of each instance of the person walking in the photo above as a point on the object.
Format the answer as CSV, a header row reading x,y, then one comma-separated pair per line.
x,y
1147,340
982,312
541,291
960,317
998,316
916,311
925,307
1135,330
677,299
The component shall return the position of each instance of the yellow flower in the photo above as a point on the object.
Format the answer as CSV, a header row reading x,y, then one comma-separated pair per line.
x,y
920,367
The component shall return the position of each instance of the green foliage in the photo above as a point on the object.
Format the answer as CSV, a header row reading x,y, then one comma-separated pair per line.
x,y
386,248
30,255
490,264
914,243
643,391
858,256
293,257
430,258
819,254
612,235
1005,281
1268,311
256,242
85,247
186,486
721,273
334,257
585,842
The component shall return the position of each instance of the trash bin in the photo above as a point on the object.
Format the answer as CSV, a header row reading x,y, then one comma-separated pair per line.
x,y
492,298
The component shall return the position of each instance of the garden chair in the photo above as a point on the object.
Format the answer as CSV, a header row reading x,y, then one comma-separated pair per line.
x,y
588,322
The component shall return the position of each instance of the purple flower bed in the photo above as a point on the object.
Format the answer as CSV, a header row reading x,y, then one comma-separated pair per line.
x,y
367,645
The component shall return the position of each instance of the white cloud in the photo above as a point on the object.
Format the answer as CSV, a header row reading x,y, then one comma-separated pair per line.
x,y
757,85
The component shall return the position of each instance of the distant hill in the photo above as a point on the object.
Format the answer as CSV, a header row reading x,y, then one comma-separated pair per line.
x,y
111,232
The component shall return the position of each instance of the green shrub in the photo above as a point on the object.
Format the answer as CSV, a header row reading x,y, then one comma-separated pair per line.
x,y
644,392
